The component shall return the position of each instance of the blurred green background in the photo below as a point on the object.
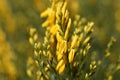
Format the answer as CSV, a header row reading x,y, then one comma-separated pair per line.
x,y
17,16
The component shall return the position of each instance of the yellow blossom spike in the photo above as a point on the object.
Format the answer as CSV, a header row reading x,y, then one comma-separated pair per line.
x,y
67,30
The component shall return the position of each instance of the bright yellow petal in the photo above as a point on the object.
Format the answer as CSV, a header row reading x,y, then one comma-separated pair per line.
x,y
53,29
61,69
45,13
60,63
71,55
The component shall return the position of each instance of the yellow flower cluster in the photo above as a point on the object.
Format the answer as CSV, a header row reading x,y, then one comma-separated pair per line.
x,y
59,25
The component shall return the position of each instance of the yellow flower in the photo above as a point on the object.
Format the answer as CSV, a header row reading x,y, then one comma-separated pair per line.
x,y
60,66
45,13
71,55
50,14
86,40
